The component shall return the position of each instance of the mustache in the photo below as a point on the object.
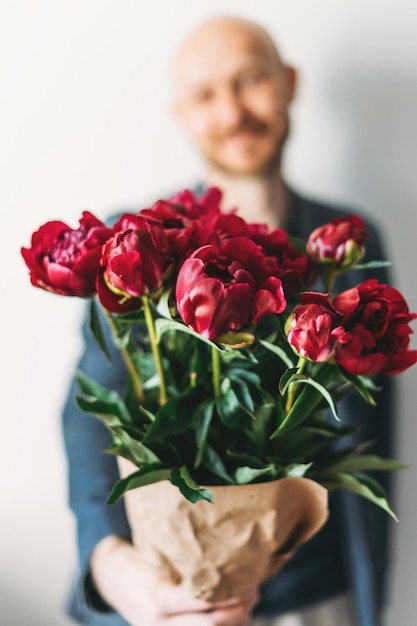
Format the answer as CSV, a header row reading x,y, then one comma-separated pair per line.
x,y
250,125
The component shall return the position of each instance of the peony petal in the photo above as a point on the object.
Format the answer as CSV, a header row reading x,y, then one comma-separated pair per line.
x,y
64,281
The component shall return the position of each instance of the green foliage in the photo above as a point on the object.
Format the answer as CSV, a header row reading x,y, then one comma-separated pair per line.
x,y
97,330
270,416
149,474
182,479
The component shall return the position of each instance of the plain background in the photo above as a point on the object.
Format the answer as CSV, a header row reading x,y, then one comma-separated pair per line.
x,y
85,123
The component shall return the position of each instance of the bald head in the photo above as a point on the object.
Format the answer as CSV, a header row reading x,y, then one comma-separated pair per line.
x,y
232,93
209,43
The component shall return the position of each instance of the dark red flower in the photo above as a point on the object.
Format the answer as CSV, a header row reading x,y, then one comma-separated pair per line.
x,y
133,263
66,261
284,260
314,328
229,225
187,220
223,288
339,244
377,318
204,206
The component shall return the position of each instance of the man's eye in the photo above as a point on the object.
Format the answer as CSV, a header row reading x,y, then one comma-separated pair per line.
x,y
251,80
202,97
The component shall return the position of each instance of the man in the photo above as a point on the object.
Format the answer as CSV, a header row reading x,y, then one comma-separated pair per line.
x,y
233,93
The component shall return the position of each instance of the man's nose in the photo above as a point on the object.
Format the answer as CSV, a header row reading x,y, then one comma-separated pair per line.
x,y
230,108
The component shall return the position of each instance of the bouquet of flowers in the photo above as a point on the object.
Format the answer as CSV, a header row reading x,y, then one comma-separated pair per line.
x,y
236,365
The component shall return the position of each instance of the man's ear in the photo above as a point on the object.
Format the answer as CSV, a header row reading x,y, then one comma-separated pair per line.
x,y
292,81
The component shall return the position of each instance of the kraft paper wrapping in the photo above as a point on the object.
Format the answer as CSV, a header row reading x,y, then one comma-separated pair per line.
x,y
221,550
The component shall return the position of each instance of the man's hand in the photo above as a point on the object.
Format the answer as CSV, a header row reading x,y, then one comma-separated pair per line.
x,y
143,598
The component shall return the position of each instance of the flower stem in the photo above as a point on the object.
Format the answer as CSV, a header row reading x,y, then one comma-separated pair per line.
x,y
216,365
291,389
155,350
131,367
328,280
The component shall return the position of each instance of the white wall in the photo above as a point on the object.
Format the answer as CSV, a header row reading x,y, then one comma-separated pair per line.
x,y
85,123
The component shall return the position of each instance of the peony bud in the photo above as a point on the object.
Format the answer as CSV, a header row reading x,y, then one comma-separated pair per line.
x,y
339,244
314,329
133,262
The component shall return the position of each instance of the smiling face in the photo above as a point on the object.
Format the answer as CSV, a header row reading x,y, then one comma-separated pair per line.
x,y
233,96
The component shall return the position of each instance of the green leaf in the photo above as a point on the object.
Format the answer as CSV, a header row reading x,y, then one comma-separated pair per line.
x,y
151,383
150,416
304,404
122,334
245,458
371,265
145,363
119,449
163,325
279,352
241,357
297,469
362,385
214,463
364,486
139,453
101,401
243,394
327,429
133,432
147,475
163,304
287,378
263,418
244,475
203,420
90,387
132,317
111,414
182,479
97,329
132,450
230,410
244,374
326,395
174,417
370,462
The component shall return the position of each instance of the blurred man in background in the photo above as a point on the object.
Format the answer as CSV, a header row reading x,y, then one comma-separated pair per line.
x,y
233,94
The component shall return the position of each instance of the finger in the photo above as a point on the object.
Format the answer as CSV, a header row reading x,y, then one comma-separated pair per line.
x,y
175,600
250,598
231,616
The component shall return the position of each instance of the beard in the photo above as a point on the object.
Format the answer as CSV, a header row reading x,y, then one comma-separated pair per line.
x,y
263,164
263,168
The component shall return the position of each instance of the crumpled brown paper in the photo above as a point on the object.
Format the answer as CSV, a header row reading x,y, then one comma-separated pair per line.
x,y
221,550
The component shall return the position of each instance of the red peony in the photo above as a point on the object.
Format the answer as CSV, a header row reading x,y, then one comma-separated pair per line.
x,y
229,225
66,261
377,318
204,207
284,260
314,329
133,264
187,220
223,288
339,244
